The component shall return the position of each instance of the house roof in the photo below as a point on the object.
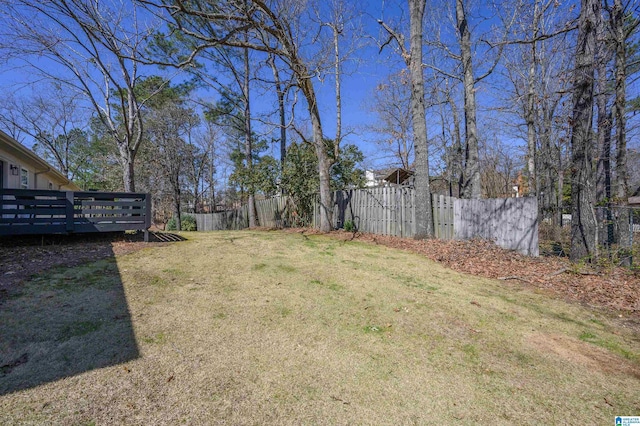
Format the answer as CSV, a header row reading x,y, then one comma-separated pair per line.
x,y
15,148
398,176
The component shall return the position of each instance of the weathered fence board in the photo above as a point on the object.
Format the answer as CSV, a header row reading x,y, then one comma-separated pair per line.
x,y
271,213
385,211
222,221
511,223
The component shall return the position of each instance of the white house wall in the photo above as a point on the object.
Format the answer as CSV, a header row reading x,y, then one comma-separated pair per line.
x,y
36,180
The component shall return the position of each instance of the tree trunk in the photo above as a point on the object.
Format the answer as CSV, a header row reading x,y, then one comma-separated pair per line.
x,y
457,148
622,176
336,52
424,219
324,166
324,163
128,174
283,123
603,164
560,167
211,176
248,148
560,202
283,127
603,170
471,187
531,110
65,165
546,184
583,223
176,209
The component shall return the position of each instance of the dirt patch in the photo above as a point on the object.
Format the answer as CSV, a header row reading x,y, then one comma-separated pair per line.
x,y
585,354
23,257
612,289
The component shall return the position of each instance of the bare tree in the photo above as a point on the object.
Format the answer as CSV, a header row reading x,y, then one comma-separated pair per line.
x,y
498,169
225,69
621,30
94,45
536,66
54,123
459,60
248,142
204,171
391,102
583,219
413,60
271,28
530,110
605,119
342,18
199,169
620,35
471,187
451,137
281,93
168,129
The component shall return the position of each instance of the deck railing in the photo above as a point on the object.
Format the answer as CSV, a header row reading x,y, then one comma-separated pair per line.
x,y
26,211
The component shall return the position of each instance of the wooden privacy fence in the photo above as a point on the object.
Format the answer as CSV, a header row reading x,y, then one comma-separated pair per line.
x,y
272,213
222,221
384,211
511,223
26,211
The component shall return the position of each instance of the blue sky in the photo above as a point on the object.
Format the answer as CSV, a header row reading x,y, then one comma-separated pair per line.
x,y
365,70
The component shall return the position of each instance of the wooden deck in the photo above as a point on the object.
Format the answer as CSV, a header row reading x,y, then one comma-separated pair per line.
x,y
25,211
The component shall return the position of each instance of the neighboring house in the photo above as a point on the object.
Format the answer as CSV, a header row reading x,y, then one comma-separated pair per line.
x,y
400,177
387,177
21,168
374,177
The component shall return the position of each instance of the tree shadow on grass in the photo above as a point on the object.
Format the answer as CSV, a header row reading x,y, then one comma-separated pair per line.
x,y
64,321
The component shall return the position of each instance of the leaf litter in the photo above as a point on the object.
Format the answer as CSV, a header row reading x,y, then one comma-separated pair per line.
x,y
614,289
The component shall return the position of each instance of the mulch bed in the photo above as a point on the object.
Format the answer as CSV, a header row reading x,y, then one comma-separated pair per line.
x,y
614,288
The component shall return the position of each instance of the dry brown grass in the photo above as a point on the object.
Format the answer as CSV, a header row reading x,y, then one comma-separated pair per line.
x,y
274,328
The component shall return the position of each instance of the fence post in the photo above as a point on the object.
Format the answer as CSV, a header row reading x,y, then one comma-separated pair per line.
x,y
147,216
413,213
69,211
402,211
630,214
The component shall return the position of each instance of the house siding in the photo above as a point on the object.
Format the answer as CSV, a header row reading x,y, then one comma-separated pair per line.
x,y
35,181
40,176
11,180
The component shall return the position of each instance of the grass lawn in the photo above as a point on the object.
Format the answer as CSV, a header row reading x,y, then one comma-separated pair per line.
x,y
281,328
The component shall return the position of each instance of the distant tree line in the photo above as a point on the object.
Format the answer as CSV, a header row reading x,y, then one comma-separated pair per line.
x,y
170,97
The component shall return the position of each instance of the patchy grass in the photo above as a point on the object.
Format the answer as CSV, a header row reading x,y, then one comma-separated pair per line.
x,y
281,328
79,328
62,323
